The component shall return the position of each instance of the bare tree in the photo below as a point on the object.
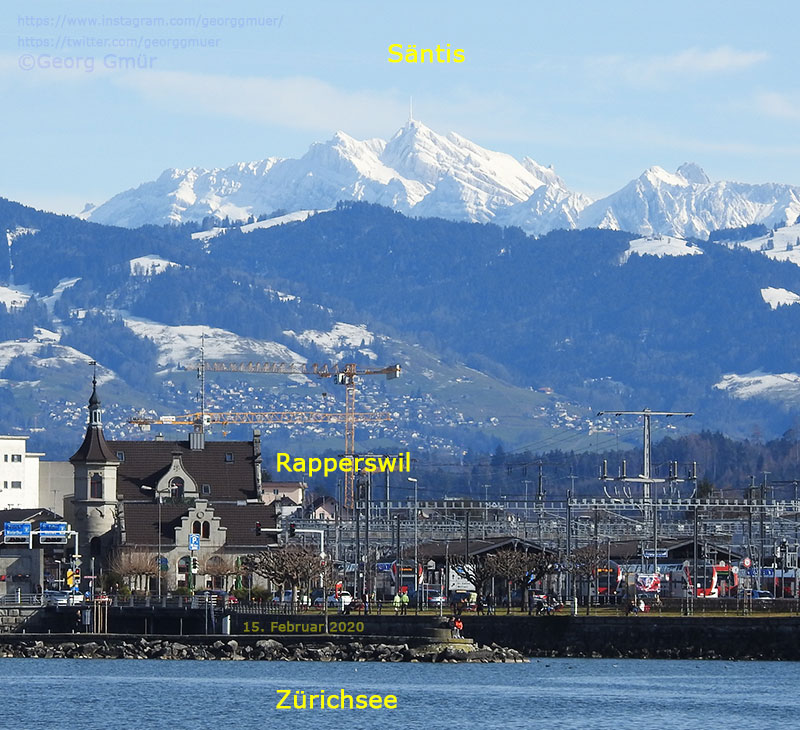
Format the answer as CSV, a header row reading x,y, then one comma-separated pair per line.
x,y
292,565
219,565
475,569
137,566
520,566
509,564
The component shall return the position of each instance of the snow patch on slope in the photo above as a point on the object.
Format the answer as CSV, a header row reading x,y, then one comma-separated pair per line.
x,y
341,337
782,244
60,288
777,297
298,215
13,297
660,246
62,356
150,265
779,387
180,345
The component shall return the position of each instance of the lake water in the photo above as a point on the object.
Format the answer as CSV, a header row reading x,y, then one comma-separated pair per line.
x,y
549,693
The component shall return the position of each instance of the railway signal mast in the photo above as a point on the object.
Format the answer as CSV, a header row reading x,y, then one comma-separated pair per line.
x,y
646,478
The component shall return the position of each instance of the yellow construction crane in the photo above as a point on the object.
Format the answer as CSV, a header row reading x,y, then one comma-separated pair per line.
x,y
341,374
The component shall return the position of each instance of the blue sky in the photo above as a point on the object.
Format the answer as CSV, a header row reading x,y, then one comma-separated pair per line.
x,y
600,91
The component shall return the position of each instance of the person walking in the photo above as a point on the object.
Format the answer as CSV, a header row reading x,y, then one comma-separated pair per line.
x,y
404,604
397,603
458,625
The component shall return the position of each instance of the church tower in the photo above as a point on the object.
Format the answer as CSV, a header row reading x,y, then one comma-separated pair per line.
x,y
95,500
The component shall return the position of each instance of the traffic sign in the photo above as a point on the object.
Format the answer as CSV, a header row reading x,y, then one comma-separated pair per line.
x,y
17,532
747,562
53,532
194,541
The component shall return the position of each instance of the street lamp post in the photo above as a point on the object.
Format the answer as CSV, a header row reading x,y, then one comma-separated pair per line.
x,y
416,542
158,561
157,493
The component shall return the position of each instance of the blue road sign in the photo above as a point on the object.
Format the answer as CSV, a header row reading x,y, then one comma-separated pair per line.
x,y
53,532
194,541
16,532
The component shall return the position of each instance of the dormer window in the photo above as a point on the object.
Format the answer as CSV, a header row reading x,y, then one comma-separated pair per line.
x,y
206,489
176,485
120,456
229,457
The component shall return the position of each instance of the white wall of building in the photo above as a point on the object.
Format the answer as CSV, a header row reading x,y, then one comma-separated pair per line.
x,y
57,487
19,474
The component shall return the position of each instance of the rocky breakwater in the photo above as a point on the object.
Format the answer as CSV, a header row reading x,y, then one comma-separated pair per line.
x,y
261,650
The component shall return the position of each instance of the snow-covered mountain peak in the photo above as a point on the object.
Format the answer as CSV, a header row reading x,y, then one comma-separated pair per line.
x,y
418,171
424,173
693,173
657,176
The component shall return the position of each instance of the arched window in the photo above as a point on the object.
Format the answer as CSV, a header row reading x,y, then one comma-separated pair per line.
x,y
206,533
95,547
176,487
96,486
183,565
196,527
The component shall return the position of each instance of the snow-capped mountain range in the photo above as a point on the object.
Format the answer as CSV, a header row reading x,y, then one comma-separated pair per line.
x,y
425,174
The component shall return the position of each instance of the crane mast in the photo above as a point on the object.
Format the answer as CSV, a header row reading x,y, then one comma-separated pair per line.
x,y
342,374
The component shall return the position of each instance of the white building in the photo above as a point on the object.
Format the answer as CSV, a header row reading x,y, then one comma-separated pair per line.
x,y
19,474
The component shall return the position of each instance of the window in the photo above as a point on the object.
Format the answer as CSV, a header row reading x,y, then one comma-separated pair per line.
x,y
176,487
196,527
96,486
16,457
206,533
6,457
183,565
16,485
120,456
206,489
229,457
